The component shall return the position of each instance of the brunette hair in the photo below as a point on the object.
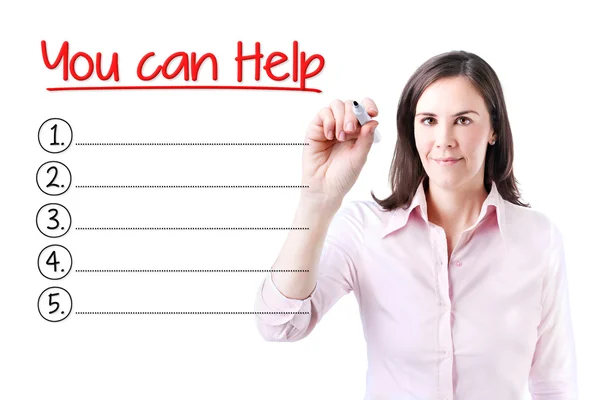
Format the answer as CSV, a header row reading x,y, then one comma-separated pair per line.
x,y
406,171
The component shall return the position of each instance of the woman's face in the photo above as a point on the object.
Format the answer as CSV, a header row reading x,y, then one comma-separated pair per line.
x,y
452,121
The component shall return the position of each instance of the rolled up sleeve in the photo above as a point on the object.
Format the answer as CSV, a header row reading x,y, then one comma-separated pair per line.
x,y
280,318
553,374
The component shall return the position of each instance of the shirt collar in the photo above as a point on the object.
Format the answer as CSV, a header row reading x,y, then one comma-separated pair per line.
x,y
399,216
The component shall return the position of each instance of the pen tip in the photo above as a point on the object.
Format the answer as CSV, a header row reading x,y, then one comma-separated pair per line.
x,y
355,104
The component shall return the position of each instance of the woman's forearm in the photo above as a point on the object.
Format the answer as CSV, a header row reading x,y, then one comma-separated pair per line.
x,y
302,248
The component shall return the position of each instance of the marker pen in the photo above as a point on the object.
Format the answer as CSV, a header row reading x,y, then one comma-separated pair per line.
x,y
363,118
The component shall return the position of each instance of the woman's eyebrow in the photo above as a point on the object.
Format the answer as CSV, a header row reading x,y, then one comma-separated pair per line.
x,y
455,115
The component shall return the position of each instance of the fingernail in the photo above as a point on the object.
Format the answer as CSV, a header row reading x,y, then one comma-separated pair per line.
x,y
372,110
350,126
342,136
330,135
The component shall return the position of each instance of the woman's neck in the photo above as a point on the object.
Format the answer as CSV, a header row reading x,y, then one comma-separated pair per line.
x,y
454,209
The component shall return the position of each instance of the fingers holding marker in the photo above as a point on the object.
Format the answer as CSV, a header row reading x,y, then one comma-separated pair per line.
x,y
346,120
328,122
351,126
366,138
363,117
337,108
370,106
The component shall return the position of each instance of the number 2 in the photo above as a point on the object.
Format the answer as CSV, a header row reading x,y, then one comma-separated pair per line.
x,y
55,175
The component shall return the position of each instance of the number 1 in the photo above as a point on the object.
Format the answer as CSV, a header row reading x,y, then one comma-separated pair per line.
x,y
54,143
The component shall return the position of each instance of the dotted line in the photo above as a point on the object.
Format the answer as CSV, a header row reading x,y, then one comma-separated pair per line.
x,y
191,186
188,312
187,228
192,144
191,270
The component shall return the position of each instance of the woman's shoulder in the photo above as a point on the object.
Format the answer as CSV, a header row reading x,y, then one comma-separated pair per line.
x,y
526,216
362,215
527,223
364,210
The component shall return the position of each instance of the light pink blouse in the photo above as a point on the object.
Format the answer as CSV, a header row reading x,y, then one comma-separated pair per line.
x,y
491,322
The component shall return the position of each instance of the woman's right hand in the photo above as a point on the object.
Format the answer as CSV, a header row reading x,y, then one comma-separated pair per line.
x,y
336,151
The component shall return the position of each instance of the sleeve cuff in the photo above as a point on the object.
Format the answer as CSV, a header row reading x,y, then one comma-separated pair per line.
x,y
277,301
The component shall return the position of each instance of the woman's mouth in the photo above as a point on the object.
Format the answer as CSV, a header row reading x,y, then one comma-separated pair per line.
x,y
447,161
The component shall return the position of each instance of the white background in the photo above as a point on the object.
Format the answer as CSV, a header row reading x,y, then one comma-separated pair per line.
x,y
545,55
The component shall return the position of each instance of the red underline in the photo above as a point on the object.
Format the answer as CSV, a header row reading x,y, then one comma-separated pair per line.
x,y
54,89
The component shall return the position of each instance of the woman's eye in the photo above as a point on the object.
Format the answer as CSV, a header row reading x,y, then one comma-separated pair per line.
x,y
468,121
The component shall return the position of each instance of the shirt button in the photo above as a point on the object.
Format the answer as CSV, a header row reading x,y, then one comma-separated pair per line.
x,y
459,263
447,353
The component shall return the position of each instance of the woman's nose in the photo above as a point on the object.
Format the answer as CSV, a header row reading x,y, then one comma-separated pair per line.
x,y
444,137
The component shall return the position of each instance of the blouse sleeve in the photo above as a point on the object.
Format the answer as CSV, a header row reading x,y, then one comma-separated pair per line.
x,y
553,374
283,319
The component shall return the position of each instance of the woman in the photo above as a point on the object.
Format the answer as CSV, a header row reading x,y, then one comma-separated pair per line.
x,y
462,288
